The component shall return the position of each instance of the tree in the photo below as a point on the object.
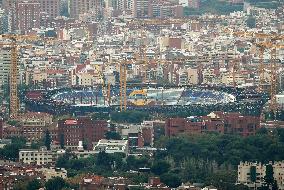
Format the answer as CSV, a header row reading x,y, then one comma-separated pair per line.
x,y
160,167
222,179
20,185
100,116
61,140
63,161
275,185
170,179
35,184
13,122
240,187
11,151
56,183
262,131
253,174
113,135
268,178
47,139
37,144
85,144
129,116
103,160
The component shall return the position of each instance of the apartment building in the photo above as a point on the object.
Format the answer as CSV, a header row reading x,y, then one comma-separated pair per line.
x,y
50,7
142,8
5,63
193,76
116,4
78,7
245,170
220,122
38,157
82,129
112,146
28,15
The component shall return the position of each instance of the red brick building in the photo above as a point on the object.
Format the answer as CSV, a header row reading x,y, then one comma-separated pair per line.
x,y
148,135
32,126
220,122
50,7
28,15
30,133
82,129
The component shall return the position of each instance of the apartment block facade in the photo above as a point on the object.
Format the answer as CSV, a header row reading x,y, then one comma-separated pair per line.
x,y
220,122
5,64
245,170
50,7
82,129
28,15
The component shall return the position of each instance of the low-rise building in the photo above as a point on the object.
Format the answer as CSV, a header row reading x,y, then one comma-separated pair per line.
x,y
38,157
53,172
112,146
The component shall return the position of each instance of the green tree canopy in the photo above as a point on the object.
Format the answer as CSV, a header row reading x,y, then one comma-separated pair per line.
x,y
11,151
160,167
129,116
35,184
171,179
56,183
47,139
113,135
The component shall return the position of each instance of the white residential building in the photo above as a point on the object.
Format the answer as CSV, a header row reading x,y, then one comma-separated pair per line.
x,y
5,60
112,146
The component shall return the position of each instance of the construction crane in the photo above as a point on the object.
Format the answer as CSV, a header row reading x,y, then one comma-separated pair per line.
x,y
261,67
14,44
273,68
123,87
269,41
234,73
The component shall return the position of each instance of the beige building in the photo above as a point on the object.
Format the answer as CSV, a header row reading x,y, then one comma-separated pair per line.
x,y
171,42
209,76
183,77
89,75
192,74
278,169
38,157
78,7
244,174
84,79
53,172
228,79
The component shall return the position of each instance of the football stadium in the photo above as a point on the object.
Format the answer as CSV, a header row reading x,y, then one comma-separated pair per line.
x,y
141,97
